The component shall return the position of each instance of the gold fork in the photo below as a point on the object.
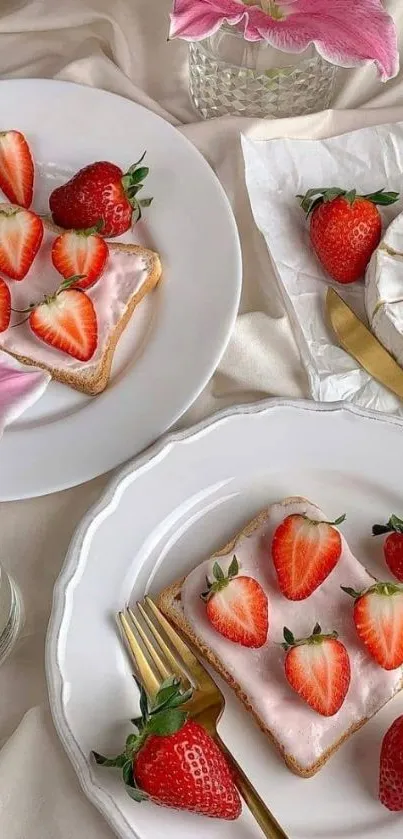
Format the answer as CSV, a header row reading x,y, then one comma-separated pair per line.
x,y
146,637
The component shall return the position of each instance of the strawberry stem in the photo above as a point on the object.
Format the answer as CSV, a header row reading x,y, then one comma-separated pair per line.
x,y
314,197
220,581
132,183
161,717
394,525
337,521
317,637
387,589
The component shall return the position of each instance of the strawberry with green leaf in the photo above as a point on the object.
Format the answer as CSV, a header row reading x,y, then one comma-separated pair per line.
x,y
345,228
318,669
173,761
393,544
236,606
378,619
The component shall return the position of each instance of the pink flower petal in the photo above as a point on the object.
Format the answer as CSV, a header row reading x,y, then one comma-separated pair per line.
x,y
20,387
345,32
194,20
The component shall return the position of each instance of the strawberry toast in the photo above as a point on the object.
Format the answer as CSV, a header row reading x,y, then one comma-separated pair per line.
x,y
66,294
69,327
271,612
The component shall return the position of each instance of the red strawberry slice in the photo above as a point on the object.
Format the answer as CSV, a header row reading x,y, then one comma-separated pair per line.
x,y
16,168
304,553
68,322
174,761
393,544
318,669
5,306
21,233
237,607
80,252
378,618
391,767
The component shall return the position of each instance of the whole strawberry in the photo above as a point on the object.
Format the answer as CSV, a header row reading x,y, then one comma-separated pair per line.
x,y
391,767
378,618
393,545
173,761
345,228
100,194
237,607
318,669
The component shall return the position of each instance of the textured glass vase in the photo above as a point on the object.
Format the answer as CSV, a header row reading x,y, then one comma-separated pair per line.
x,y
229,75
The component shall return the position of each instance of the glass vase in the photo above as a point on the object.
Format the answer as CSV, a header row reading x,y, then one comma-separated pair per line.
x,y
229,75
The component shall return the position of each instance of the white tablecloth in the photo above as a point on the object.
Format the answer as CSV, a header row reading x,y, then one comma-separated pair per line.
x,y
122,46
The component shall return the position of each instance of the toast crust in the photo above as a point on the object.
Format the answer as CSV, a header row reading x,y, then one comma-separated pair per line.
x,y
169,601
95,381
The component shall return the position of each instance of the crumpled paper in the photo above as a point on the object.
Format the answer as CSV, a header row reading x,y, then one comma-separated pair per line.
x,y
20,387
276,171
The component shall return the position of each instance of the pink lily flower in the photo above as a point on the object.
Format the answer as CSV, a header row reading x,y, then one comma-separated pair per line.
x,y
344,32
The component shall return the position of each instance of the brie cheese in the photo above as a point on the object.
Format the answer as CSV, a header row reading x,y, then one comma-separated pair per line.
x,y
384,290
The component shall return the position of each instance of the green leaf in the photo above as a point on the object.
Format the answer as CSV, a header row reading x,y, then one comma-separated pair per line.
x,y
351,591
118,761
136,794
138,175
130,744
351,196
145,202
137,722
382,198
288,637
167,722
127,772
218,573
234,568
134,166
143,703
340,519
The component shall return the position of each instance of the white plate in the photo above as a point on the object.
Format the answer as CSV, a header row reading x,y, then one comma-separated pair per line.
x,y
177,335
163,514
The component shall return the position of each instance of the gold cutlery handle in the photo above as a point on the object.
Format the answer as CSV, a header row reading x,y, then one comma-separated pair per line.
x,y
267,823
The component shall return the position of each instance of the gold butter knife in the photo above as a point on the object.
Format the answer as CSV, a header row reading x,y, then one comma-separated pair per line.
x,y
359,342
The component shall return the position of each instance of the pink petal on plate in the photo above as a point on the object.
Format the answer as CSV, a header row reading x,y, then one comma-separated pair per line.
x,y
20,387
345,32
194,20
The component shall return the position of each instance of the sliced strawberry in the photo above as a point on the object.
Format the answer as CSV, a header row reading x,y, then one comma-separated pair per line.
x,y
68,322
318,668
304,553
21,234
237,607
16,168
80,252
5,306
378,618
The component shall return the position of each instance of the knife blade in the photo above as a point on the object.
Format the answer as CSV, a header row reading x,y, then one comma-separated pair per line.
x,y
359,342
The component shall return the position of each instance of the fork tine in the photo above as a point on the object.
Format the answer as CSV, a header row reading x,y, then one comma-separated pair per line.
x,y
176,666
160,665
147,675
199,674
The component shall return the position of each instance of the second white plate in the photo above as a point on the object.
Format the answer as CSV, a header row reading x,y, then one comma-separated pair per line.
x,y
161,516
177,335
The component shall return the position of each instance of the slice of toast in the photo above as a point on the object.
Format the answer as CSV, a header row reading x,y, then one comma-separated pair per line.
x,y
130,273
304,738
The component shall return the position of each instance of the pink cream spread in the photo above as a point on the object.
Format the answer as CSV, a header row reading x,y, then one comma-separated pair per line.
x,y
302,732
123,276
